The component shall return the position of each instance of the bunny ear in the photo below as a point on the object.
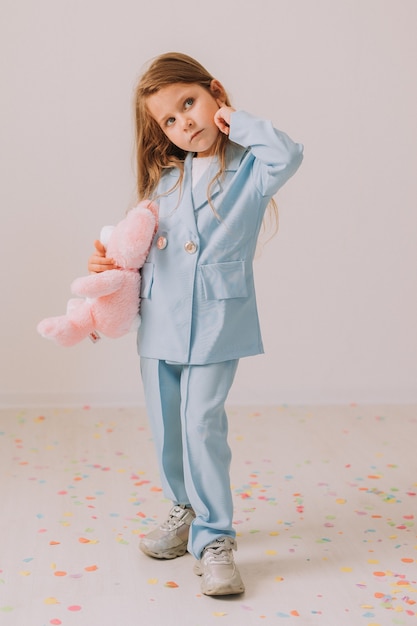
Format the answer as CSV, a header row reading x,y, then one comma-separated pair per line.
x,y
105,235
155,211
152,207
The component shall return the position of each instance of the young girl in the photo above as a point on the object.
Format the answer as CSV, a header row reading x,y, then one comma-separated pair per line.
x,y
213,170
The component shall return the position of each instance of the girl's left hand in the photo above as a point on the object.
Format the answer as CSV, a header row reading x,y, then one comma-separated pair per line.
x,y
222,117
98,262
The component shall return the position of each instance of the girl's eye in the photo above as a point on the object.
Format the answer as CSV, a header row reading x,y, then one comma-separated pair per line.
x,y
188,102
170,121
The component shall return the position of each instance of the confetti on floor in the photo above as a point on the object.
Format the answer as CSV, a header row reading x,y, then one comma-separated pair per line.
x,y
325,514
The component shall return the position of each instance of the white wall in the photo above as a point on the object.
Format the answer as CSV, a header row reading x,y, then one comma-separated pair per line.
x,y
336,288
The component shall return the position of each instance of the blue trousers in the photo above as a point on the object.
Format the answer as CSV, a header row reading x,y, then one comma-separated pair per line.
x,y
185,405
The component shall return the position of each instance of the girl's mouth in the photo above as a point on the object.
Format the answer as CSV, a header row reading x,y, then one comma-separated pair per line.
x,y
195,135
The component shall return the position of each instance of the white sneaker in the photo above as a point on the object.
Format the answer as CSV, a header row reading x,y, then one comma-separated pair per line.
x,y
217,568
171,538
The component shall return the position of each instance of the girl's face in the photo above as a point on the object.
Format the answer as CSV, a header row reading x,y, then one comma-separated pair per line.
x,y
185,113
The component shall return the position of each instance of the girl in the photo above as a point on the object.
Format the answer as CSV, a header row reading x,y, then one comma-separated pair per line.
x,y
213,170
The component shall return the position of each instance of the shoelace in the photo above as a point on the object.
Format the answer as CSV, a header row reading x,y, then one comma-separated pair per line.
x,y
174,517
219,551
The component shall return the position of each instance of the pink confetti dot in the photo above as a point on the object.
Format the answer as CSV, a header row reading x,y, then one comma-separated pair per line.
x,y
55,622
74,607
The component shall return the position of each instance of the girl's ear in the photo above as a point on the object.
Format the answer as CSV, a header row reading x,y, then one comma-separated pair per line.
x,y
217,90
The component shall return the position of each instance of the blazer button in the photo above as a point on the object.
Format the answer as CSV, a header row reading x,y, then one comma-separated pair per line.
x,y
190,247
161,243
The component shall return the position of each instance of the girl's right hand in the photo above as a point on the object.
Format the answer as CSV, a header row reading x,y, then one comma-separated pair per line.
x,y
222,117
98,262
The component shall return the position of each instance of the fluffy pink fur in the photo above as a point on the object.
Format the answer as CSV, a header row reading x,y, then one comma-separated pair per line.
x,y
109,301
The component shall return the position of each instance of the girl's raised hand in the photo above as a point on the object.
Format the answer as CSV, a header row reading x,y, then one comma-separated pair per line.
x,y
98,262
222,117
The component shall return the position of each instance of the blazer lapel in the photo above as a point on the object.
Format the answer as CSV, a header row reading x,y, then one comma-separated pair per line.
x,y
179,203
200,191
233,158
193,200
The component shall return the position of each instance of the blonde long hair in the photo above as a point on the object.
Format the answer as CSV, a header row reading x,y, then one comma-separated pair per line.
x,y
154,152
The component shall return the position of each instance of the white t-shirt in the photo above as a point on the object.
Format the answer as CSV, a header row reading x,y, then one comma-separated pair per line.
x,y
200,165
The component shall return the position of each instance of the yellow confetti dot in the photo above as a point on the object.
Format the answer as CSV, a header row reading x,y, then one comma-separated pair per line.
x,y
373,561
279,579
152,581
219,614
270,552
25,573
274,533
51,601
340,501
346,569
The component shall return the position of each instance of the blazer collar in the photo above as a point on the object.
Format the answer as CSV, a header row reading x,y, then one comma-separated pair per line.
x,y
234,155
197,198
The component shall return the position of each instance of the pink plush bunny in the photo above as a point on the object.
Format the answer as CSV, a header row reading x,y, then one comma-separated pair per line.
x,y
109,301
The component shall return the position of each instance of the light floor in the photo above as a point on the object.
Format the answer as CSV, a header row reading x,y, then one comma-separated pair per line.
x,y
325,507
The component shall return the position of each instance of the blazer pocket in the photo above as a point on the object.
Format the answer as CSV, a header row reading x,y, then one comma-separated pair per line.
x,y
222,281
147,280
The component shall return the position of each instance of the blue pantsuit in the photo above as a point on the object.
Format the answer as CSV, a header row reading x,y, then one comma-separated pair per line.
x,y
199,314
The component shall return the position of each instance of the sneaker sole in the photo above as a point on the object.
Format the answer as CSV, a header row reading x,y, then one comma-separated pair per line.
x,y
221,589
167,554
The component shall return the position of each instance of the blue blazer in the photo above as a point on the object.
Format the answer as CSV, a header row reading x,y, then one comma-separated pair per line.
x,y
198,301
